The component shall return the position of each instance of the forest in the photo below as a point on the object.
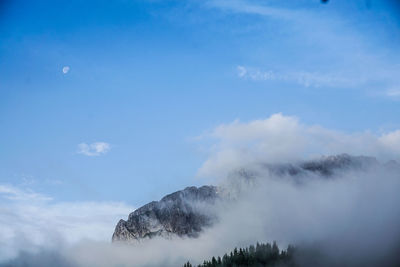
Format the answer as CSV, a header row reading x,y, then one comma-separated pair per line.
x,y
259,255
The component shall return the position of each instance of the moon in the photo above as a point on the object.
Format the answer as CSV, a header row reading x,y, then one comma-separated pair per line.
x,y
65,69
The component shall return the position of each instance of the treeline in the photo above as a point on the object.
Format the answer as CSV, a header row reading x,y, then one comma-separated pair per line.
x,y
259,255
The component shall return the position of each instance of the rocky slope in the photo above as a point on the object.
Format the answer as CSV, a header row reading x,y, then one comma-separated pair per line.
x,y
183,213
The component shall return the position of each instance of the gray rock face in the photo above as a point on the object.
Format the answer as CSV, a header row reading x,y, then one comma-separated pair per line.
x,y
183,213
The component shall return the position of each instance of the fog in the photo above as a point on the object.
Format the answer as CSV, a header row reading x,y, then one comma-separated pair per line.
x,y
351,218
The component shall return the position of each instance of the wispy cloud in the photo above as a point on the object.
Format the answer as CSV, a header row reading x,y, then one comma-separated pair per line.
x,y
327,47
304,78
16,194
30,220
238,6
393,93
94,149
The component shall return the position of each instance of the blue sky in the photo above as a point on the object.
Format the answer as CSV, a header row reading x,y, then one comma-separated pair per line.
x,y
147,78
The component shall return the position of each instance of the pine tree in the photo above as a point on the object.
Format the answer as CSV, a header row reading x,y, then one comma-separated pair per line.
x,y
266,255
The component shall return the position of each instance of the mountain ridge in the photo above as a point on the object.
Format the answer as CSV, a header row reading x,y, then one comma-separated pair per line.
x,y
186,213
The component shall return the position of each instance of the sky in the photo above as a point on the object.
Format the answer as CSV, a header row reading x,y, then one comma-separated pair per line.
x,y
124,101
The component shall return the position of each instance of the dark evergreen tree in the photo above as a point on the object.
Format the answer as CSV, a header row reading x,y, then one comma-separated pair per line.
x,y
260,255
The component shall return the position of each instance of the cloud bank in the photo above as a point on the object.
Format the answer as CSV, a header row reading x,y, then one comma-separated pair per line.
x,y
31,221
351,219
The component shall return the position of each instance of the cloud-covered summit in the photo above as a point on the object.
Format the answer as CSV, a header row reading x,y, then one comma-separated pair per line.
x,y
285,138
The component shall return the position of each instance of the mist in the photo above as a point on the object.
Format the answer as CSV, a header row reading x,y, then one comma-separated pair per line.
x,y
351,218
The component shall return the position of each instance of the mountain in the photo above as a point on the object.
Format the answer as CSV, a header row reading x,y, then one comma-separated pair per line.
x,y
189,211
183,213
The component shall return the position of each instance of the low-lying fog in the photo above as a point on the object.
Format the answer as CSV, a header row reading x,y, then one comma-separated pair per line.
x,y
352,217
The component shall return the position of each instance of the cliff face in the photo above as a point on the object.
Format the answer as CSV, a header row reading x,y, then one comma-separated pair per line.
x,y
189,211
182,213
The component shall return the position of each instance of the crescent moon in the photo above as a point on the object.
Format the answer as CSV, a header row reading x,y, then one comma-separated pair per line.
x,y
65,69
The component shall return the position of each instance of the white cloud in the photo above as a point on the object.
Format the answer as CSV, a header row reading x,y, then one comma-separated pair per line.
x,y
238,6
283,138
393,93
242,71
304,78
94,149
30,221
16,194
391,140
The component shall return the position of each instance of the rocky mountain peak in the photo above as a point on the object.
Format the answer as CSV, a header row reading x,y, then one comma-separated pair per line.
x,y
181,213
